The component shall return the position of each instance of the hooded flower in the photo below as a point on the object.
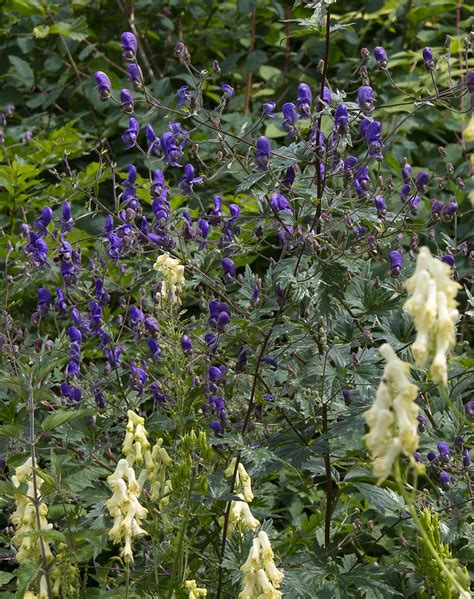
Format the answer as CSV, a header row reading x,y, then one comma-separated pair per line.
x,y
129,137
432,305
104,86
129,46
261,577
262,155
392,419
173,278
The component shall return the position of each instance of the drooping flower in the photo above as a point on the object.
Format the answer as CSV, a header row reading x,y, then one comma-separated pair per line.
x,y
365,99
392,418
291,116
433,307
129,137
129,46
428,59
341,118
262,155
380,205
104,86
126,100
173,279
194,591
136,76
228,90
188,180
268,110
303,102
396,263
261,577
183,95
381,57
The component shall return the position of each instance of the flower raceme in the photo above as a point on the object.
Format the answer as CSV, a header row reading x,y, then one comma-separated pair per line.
x,y
173,279
432,305
392,419
261,577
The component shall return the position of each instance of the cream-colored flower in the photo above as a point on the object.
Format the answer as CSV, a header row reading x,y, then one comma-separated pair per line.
x,y
433,307
261,576
173,279
125,508
194,591
392,418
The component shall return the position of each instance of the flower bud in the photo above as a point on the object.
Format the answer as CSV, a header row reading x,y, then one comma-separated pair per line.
x,y
129,46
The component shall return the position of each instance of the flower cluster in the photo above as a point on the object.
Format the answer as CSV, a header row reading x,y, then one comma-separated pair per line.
x,y
261,576
432,305
27,519
240,513
194,591
173,279
392,419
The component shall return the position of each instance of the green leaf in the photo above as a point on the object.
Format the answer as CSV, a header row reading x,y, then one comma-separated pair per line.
x,y
382,498
63,417
5,577
23,71
10,430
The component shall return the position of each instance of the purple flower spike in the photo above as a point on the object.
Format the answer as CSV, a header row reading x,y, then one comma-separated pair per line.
x,y
129,46
186,344
305,97
444,480
126,100
268,110
129,138
381,57
428,59
396,263
104,86
365,99
263,153
229,267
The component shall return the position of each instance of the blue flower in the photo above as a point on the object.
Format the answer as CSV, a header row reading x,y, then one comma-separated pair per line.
x,y
188,180
381,57
104,86
291,116
262,155
303,102
129,46
129,138
396,263
268,110
365,99
228,90
136,76
184,95
126,100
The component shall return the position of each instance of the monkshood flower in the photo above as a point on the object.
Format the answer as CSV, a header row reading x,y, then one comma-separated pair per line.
x,y
413,203
183,96
135,316
194,591
99,399
327,97
444,451
73,394
160,192
444,480
153,141
469,409
449,210
138,378
392,418
365,99
371,132
421,181
203,227
216,427
172,284
44,300
41,223
380,205
303,102
291,116
289,178
38,248
188,180
104,86
396,263
129,46
215,215
279,202
116,244
449,260
428,59
66,219
268,110
172,151
129,137
154,350
317,140
69,272
406,173
262,155
60,304
362,182
433,307
436,209
10,108
341,118
126,100
261,577
186,344
381,57
136,76
228,90
212,342
219,315
230,270
432,457
466,458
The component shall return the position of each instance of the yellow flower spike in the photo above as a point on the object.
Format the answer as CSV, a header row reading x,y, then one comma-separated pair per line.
x,y
193,590
173,278
432,305
392,417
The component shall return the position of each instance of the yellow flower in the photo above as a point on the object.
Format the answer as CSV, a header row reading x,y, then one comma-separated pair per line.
x,y
433,307
173,278
261,577
392,417
193,590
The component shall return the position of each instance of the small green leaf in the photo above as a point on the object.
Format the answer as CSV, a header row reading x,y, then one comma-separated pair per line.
x,y
5,577
23,71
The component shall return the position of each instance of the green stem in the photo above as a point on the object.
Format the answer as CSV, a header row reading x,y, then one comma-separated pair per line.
x,y
422,532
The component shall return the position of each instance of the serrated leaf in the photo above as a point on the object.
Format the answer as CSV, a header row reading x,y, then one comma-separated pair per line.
x,y
5,577
63,417
10,430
